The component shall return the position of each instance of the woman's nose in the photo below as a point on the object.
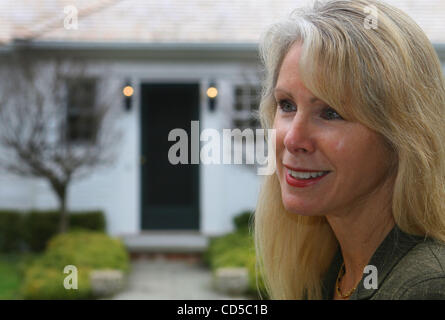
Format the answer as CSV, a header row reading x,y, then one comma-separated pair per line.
x,y
298,136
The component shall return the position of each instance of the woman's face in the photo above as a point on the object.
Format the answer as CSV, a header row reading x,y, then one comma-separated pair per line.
x,y
314,137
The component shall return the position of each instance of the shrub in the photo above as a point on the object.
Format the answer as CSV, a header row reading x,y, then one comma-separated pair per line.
x,y
243,220
88,220
91,249
236,249
85,250
40,226
11,231
42,282
229,244
239,238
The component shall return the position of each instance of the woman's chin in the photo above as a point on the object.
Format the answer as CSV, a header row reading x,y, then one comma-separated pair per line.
x,y
302,212
292,208
295,207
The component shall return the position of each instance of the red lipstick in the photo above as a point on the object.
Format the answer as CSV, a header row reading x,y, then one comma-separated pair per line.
x,y
302,183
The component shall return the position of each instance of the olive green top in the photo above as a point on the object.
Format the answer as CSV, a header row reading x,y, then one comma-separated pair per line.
x,y
408,267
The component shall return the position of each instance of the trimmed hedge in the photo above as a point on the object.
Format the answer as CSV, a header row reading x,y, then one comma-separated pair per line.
x,y
85,250
11,231
32,230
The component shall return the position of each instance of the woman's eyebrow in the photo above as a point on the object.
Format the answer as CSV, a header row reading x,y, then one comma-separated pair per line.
x,y
278,89
312,100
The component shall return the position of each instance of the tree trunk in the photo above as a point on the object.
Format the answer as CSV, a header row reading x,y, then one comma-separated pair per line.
x,y
63,219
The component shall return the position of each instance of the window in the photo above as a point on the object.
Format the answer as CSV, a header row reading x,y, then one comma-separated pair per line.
x,y
81,125
245,116
247,100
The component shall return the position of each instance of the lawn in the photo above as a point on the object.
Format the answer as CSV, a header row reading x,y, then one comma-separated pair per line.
x,y
11,274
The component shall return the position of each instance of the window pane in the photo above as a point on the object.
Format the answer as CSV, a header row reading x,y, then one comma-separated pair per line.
x,y
238,105
254,123
254,105
81,125
256,92
247,99
238,91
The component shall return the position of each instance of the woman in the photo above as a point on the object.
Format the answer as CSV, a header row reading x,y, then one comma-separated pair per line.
x,y
356,94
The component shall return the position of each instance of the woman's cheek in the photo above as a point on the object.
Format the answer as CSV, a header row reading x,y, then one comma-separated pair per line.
x,y
339,145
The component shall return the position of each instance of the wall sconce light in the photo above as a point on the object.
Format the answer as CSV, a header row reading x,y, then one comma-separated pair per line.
x,y
212,93
128,93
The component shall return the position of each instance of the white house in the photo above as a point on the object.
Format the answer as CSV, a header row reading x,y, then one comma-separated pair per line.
x,y
170,52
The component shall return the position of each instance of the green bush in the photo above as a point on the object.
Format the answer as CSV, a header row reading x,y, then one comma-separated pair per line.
x,y
33,229
224,246
86,250
239,238
90,249
38,228
243,220
11,231
236,249
46,283
88,220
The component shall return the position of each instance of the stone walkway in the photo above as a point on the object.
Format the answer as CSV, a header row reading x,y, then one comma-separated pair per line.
x,y
162,279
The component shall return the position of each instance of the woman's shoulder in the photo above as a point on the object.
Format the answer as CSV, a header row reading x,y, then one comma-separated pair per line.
x,y
420,274
432,251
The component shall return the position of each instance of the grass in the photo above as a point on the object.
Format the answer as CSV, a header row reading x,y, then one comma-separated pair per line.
x,y
11,274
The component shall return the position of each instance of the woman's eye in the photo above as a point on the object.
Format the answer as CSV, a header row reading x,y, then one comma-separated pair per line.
x,y
331,114
327,113
286,106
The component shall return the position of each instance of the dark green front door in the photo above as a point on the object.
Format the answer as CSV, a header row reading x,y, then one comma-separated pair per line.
x,y
169,193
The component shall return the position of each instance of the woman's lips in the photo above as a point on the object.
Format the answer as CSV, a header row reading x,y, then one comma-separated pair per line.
x,y
302,170
302,183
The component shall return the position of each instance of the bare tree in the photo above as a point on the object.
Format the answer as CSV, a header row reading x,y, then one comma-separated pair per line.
x,y
44,104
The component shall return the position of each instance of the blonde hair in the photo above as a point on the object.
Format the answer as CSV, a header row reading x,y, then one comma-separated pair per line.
x,y
392,78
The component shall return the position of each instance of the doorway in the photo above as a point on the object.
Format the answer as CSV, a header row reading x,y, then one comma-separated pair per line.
x,y
169,193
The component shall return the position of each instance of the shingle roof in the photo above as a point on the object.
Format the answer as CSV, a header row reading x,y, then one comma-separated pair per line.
x,y
188,21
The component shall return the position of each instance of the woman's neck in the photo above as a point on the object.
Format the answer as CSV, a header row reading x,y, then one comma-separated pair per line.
x,y
359,233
